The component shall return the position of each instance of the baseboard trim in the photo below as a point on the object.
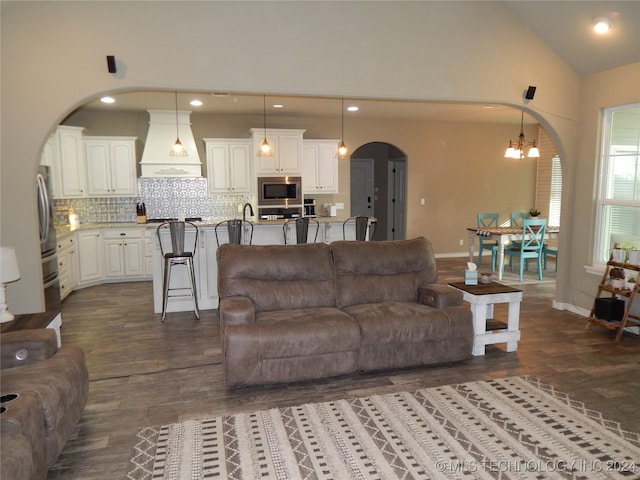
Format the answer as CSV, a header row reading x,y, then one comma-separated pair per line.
x,y
583,312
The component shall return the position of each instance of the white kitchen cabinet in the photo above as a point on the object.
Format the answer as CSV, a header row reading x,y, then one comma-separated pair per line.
x,y
90,257
320,166
287,152
229,165
124,253
69,162
67,264
111,166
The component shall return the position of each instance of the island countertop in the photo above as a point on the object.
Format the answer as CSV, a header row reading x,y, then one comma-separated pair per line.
x,y
62,230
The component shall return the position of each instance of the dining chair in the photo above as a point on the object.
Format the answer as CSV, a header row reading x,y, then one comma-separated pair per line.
x,y
488,220
235,228
530,245
549,250
515,220
365,227
175,252
302,229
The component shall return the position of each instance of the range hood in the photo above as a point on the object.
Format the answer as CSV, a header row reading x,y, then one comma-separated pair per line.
x,y
156,161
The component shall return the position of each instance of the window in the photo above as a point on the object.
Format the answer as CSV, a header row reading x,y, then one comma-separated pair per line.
x,y
618,207
555,195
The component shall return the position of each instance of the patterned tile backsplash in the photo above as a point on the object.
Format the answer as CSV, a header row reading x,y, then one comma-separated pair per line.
x,y
163,197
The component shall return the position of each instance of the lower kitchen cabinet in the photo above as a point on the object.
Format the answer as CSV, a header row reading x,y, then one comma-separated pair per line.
x,y
106,254
124,253
90,257
67,264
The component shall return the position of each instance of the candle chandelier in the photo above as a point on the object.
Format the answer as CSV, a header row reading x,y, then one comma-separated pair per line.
x,y
516,149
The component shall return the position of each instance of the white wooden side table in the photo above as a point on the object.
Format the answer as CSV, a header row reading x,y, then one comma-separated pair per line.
x,y
482,298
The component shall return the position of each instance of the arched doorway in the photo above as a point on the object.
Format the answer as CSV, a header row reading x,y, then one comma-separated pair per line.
x,y
378,187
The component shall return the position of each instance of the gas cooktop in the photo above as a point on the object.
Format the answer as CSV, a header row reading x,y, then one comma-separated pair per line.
x,y
174,219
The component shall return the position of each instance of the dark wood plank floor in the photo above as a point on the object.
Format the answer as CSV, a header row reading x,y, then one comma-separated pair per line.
x,y
144,372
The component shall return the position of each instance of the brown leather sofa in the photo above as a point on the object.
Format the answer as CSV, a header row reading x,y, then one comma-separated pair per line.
x,y
296,312
44,390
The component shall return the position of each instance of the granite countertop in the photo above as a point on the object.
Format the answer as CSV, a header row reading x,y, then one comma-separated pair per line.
x,y
63,230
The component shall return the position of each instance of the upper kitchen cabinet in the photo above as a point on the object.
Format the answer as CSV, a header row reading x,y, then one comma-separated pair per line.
x,y
320,166
111,166
286,146
228,165
68,163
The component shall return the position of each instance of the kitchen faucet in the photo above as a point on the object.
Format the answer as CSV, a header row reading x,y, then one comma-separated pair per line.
x,y
244,211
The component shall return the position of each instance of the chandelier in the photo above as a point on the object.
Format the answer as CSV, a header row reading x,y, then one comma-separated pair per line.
x,y
516,149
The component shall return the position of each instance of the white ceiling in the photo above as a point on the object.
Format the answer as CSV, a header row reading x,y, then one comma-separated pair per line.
x,y
565,25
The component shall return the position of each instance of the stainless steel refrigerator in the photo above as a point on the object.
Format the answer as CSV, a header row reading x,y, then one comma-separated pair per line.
x,y
48,244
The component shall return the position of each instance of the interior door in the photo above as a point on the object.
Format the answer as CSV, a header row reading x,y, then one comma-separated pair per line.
x,y
397,199
362,187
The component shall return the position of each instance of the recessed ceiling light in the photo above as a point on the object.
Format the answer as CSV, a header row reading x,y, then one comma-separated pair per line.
x,y
108,100
196,103
353,108
602,25
278,105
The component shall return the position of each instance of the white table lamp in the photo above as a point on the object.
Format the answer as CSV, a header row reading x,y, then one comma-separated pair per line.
x,y
9,272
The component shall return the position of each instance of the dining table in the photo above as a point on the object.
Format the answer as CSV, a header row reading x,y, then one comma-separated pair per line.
x,y
503,236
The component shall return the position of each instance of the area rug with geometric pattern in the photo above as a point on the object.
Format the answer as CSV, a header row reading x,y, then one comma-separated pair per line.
x,y
516,427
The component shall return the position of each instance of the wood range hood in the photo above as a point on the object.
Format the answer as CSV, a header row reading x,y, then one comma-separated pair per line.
x,y
156,159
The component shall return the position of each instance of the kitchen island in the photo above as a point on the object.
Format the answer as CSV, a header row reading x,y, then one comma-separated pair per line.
x,y
265,232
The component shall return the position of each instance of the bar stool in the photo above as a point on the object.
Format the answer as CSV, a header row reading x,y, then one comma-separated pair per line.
x,y
302,229
177,255
365,227
235,228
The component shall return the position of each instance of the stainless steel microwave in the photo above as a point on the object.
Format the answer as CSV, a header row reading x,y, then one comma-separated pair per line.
x,y
279,191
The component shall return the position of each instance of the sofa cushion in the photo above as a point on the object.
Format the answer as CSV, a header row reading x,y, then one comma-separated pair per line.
x,y
400,322
306,332
389,271
61,384
277,277
16,461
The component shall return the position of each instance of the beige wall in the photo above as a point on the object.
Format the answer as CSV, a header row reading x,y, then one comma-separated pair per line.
x,y
53,60
458,168
618,86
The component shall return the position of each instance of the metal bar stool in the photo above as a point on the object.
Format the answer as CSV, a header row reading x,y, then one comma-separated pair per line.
x,y
365,227
177,255
234,229
302,229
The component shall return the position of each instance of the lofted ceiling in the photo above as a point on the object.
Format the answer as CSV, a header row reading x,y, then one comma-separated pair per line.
x,y
566,26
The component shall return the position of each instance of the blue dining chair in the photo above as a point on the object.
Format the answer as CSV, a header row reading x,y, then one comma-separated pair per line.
x,y
530,245
488,220
515,219
549,250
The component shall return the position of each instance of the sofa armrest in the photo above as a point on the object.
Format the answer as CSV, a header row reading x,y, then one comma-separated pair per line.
x,y
237,311
24,347
439,296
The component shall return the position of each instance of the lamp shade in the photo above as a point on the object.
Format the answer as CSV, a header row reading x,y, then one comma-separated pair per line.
x,y
9,271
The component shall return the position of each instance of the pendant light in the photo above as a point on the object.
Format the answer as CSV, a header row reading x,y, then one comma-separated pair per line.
x,y
178,149
516,149
265,148
342,148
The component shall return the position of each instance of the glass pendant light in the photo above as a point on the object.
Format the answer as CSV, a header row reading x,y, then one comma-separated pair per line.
x,y
342,148
178,149
265,148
